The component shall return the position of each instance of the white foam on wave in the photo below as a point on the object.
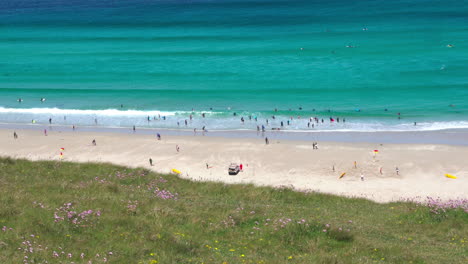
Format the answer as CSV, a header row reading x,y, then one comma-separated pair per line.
x,y
105,112
219,121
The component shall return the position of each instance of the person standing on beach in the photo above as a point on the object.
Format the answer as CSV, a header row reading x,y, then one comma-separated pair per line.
x,y
207,167
45,132
397,171
381,171
158,136
50,121
177,148
355,164
151,161
362,177
15,136
134,129
94,142
267,141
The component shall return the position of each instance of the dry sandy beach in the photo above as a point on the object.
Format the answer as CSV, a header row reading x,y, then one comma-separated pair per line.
x,y
281,163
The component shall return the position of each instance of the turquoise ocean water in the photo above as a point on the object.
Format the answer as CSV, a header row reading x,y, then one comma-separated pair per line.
x,y
347,59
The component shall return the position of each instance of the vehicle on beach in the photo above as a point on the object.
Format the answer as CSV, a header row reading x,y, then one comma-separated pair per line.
x,y
233,169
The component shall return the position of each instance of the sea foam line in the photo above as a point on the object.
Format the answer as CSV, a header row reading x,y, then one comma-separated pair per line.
x,y
105,112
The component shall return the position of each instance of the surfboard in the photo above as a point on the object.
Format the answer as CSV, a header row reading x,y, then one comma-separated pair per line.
x,y
450,176
342,174
176,171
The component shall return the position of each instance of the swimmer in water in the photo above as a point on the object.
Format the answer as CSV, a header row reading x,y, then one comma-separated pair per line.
x,y
20,100
43,99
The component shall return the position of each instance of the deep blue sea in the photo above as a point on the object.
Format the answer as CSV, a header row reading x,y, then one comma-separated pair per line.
x,y
381,65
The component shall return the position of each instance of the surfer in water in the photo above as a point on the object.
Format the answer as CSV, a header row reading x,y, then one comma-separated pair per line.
x,y
43,99
20,100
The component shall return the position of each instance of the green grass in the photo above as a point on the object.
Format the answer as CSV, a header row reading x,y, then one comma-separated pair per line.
x,y
208,222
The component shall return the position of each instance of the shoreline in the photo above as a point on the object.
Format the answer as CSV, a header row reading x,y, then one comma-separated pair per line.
x,y
292,163
456,137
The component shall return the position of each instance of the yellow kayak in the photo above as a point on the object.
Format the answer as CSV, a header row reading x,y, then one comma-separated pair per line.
x,y
176,171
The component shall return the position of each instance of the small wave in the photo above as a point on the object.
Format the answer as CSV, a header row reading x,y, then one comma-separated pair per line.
x,y
214,120
105,112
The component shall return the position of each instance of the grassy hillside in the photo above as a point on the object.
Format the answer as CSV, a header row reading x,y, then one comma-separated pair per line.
x,y
63,212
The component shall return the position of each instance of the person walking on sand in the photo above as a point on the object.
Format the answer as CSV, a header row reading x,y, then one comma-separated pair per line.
x,y
151,161
207,167
177,148
15,136
381,171
397,171
158,136
362,177
45,132
134,129
267,141
94,142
